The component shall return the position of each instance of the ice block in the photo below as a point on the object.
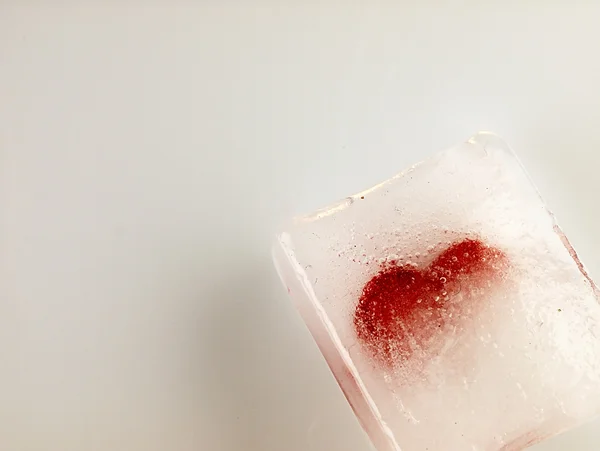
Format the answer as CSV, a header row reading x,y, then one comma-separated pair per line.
x,y
450,307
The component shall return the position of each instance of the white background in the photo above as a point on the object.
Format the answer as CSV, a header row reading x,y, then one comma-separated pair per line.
x,y
149,151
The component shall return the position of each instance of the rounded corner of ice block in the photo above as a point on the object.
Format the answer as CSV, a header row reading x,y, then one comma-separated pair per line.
x,y
490,141
281,239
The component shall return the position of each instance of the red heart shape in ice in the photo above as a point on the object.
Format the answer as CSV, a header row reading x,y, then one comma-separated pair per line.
x,y
403,309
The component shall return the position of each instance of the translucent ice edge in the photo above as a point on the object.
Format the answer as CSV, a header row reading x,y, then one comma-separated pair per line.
x,y
489,139
285,242
348,201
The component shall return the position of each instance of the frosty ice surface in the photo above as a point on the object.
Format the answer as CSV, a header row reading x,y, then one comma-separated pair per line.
x,y
449,305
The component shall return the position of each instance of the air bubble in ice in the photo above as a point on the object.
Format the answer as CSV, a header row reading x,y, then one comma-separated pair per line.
x,y
443,279
454,258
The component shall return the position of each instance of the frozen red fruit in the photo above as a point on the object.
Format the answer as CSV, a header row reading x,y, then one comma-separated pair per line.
x,y
402,308
449,305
